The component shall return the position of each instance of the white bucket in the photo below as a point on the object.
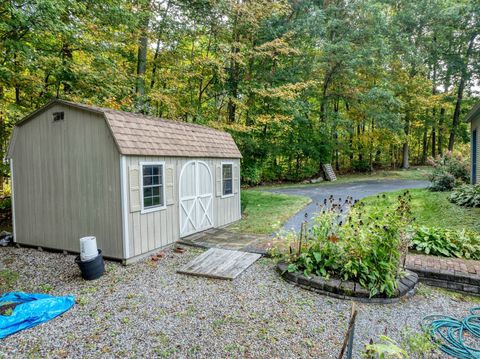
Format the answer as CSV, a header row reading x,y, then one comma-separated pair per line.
x,y
88,248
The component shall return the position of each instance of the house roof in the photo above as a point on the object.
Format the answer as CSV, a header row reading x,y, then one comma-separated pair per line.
x,y
474,113
137,134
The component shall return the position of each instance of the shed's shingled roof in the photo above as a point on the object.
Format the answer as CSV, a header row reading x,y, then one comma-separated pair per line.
x,y
137,134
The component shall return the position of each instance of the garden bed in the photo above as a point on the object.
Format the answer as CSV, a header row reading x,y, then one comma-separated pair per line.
x,y
406,286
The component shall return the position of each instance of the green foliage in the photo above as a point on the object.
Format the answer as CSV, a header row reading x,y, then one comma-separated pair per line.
x,y
387,348
5,204
412,344
442,181
448,171
466,196
419,344
367,248
447,243
297,83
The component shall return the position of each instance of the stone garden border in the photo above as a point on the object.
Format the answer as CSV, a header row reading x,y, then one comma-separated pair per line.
x,y
444,279
346,289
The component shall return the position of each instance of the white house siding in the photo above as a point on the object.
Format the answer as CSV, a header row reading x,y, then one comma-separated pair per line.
x,y
67,182
149,231
476,125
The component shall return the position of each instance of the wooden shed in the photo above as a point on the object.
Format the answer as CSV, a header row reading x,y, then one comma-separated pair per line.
x,y
135,182
474,118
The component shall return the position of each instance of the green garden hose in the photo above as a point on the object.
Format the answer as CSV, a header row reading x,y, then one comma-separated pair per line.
x,y
450,332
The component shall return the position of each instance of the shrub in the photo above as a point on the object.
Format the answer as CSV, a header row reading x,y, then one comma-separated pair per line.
x,y
448,172
466,196
5,204
365,249
447,243
441,181
361,165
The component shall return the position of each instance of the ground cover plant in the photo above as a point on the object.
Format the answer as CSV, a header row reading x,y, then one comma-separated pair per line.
x,y
447,243
368,248
466,196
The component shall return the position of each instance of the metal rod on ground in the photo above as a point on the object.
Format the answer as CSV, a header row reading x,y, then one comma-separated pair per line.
x,y
348,340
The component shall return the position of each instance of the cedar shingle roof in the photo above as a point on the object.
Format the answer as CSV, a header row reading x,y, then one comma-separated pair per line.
x,y
137,134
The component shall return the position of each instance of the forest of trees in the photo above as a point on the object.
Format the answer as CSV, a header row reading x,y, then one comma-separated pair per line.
x,y
362,84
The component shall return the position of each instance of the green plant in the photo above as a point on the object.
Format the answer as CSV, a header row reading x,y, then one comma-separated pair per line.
x,y
447,243
387,348
418,343
442,181
366,249
5,204
466,196
448,172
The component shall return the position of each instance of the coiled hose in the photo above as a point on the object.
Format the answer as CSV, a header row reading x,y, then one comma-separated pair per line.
x,y
450,333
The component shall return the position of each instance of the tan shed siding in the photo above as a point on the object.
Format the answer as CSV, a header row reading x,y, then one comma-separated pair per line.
x,y
476,125
149,231
67,182
227,210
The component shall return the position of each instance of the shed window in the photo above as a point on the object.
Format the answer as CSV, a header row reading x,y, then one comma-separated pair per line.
x,y
58,116
152,186
227,179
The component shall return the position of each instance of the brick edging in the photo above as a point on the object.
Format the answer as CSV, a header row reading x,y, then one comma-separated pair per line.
x,y
447,280
347,289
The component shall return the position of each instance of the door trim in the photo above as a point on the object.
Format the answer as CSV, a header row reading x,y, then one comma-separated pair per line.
x,y
197,162
474,155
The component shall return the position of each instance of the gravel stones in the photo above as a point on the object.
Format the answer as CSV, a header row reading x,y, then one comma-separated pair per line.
x,y
148,310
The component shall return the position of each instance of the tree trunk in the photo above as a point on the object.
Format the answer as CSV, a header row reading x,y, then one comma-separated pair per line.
x,y
67,76
440,131
405,162
425,145
461,86
232,83
434,140
142,62
405,149
157,48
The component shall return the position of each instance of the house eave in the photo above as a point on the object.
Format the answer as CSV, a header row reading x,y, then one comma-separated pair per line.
x,y
474,113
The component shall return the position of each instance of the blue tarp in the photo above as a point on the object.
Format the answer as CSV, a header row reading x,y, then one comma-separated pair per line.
x,y
31,310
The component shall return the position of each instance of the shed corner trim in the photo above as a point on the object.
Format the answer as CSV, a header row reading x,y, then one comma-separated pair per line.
x,y
124,204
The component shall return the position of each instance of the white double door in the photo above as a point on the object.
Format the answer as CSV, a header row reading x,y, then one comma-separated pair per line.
x,y
196,198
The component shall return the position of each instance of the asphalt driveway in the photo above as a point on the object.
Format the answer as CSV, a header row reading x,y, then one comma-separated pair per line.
x,y
357,190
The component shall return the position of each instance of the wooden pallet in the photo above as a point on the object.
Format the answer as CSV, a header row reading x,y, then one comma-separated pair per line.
x,y
220,263
328,172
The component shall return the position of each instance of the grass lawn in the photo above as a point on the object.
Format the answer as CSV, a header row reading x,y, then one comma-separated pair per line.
x,y
432,209
414,173
265,212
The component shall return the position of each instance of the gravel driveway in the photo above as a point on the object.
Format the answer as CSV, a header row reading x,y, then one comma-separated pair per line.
x,y
357,190
148,310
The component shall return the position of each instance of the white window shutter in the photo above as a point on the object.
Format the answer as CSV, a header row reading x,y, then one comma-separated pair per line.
x,y
169,183
134,183
218,180
236,176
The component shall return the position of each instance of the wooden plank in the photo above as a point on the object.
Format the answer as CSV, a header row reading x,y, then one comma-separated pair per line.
x,y
220,263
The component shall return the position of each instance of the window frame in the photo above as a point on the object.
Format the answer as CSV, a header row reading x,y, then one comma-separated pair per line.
x,y
233,179
144,210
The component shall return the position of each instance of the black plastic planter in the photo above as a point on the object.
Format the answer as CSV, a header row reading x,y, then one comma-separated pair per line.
x,y
93,268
